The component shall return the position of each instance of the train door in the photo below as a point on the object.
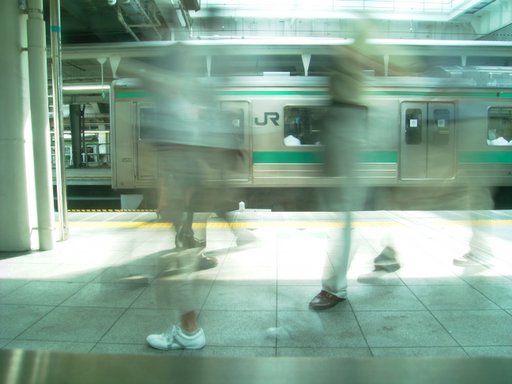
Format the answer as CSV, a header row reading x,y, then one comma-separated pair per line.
x,y
146,164
427,141
236,113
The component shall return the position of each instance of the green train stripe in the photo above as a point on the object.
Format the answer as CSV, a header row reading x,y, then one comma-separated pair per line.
x,y
493,94
401,93
273,93
372,157
132,95
143,94
485,157
316,157
287,157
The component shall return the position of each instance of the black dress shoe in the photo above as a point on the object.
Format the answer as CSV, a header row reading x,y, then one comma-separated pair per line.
x,y
206,262
386,261
324,300
187,241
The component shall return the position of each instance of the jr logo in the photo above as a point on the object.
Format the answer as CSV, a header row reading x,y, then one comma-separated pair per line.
x,y
272,116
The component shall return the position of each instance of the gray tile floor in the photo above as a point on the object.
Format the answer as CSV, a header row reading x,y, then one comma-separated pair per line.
x,y
84,296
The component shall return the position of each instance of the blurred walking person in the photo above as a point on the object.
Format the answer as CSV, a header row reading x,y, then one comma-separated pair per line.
x,y
344,126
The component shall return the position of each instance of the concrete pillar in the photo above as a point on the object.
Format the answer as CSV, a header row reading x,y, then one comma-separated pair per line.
x,y
38,74
14,221
58,125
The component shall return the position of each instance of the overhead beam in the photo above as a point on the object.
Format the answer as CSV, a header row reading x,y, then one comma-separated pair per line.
x,y
383,10
287,46
493,17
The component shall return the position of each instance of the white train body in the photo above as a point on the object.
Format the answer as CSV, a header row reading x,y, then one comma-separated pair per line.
x,y
419,132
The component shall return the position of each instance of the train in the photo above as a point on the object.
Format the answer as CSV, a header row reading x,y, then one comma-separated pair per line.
x,y
449,126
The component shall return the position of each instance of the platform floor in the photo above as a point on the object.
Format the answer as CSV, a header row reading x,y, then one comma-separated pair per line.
x,y
97,292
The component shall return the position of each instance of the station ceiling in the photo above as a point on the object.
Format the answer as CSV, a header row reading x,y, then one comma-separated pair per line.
x,y
96,21
100,22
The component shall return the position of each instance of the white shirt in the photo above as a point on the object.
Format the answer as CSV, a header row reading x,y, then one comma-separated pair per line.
x,y
499,141
291,140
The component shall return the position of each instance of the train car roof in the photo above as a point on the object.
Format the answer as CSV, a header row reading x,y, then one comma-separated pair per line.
x,y
440,80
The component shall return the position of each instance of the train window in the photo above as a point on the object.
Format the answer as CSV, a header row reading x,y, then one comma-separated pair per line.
x,y
148,122
499,126
233,127
441,123
413,120
302,125
207,126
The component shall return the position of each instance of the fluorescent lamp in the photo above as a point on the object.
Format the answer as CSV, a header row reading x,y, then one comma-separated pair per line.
x,y
181,18
86,87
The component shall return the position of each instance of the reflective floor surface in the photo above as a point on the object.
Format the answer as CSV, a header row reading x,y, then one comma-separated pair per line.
x,y
100,290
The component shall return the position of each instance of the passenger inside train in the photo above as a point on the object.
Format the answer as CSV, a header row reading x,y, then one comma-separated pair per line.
x,y
291,138
303,125
500,126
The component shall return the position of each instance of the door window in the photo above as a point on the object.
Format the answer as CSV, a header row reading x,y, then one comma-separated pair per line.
x,y
441,131
413,120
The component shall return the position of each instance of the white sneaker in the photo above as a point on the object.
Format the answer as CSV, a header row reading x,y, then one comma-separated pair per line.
x,y
466,260
176,338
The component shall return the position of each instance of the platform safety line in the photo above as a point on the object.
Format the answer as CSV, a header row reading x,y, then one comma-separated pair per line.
x,y
276,224
224,225
111,210
236,225
117,224
476,222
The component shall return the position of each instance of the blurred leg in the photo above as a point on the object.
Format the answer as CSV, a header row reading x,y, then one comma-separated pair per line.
x,y
344,127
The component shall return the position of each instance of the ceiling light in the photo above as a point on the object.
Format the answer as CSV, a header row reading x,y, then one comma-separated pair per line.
x,y
86,87
181,18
